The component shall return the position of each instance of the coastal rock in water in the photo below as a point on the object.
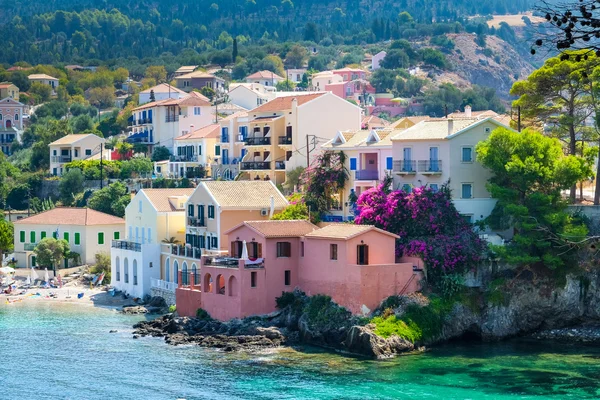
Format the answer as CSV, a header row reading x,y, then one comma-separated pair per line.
x,y
134,310
362,340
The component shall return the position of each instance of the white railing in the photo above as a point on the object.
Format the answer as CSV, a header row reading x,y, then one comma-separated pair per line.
x,y
164,285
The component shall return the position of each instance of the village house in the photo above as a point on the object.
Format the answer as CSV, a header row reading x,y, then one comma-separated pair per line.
x,y
250,95
350,74
265,78
184,70
74,147
152,216
159,123
11,123
212,209
370,122
376,60
358,90
198,80
438,150
87,231
163,91
233,131
192,152
295,74
275,135
319,80
354,264
44,80
7,89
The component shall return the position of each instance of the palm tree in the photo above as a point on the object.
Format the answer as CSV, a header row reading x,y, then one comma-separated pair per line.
x,y
171,240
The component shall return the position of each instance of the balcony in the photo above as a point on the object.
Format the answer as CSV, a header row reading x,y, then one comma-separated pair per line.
x,y
405,167
284,140
196,222
143,121
186,251
430,167
224,138
126,245
61,159
227,262
163,285
131,122
367,175
172,118
280,165
258,141
255,165
184,158
29,246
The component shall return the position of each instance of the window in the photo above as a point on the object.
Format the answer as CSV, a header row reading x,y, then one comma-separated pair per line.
x,y
32,237
362,254
17,118
389,161
77,238
197,110
100,237
66,236
190,210
467,154
88,152
55,234
352,164
467,191
22,237
43,235
199,150
301,249
211,212
253,279
287,280
467,217
116,235
215,243
434,187
407,187
217,150
333,251
140,206
284,249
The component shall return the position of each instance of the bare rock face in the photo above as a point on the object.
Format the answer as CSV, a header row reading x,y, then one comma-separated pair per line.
x,y
362,340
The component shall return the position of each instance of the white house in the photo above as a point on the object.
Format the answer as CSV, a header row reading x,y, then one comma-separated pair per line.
x,y
152,216
163,91
44,80
249,95
266,78
319,80
376,60
295,74
74,147
87,231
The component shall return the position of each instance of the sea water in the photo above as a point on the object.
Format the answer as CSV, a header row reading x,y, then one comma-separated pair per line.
x,y
51,351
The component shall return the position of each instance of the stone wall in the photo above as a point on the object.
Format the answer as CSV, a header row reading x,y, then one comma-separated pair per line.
x,y
165,294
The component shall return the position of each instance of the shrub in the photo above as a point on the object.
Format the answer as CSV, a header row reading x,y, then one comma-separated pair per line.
x,y
202,314
102,265
322,311
286,299
172,308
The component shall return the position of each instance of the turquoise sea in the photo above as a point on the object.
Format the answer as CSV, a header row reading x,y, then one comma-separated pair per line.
x,y
66,352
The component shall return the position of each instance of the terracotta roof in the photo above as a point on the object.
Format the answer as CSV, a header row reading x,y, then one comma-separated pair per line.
x,y
239,114
72,138
345,231
163,88
164,200
474,114
197,74
245,195
71,216
355,139
275,229
5,85
349,70
415,120
438,128
208,131
373,120
264,75
192,99
42,76
285,103
187,68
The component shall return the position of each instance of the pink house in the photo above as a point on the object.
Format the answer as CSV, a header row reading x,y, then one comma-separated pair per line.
x,y
351,89
354,264
350,74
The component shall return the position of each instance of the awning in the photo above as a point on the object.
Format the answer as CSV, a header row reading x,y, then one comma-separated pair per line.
x,y
138,137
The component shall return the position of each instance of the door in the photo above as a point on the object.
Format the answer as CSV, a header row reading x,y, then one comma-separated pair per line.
x,y
407,153
225,155
433,159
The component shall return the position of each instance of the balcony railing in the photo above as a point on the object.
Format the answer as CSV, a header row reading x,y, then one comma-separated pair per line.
x,y
29,246
258,141
163,285
367,175
196,222
279,165
131,122
430,166
126,245
184,158
255,165
171,118
405,166
224,138
142,121
186,251
285,140
222,262
61,159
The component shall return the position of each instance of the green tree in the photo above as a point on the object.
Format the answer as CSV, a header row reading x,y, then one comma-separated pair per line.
x,y
292,212
529,171
383,80
50,252
40,91
296,57
156,72
285,86
111,200
124,149
71,184
208,92
160,153
7,231
234,50
395,58
102,97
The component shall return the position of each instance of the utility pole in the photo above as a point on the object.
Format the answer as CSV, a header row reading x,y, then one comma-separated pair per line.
x,y
519,118
101,144
308,150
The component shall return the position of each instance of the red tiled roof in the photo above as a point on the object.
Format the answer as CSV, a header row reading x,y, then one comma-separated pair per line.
x,y
285,103
208,131
71,216
264,75
274,229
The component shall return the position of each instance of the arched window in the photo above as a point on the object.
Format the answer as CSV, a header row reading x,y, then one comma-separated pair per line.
x,y
0,117
118,269
185,279
207,286
232,286
16,117
196,274
175,271
220,284
135,276
126,269
168,270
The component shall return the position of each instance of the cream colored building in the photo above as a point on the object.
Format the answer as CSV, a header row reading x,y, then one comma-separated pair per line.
x,y
319,80
266,78
87,231
7,89
164,91
159,123
153,215
249,95
439,150
192,151
74,147
44,80
272,138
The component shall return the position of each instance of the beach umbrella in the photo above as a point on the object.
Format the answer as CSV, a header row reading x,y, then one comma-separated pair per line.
x,y
46,275
7,271
244,251
34,275
28,280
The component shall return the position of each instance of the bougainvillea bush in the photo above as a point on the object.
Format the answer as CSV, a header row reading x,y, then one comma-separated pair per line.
x,y
428,225
325,177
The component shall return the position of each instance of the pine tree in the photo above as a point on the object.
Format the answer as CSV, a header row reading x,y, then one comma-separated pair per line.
x,y
234,52
152,98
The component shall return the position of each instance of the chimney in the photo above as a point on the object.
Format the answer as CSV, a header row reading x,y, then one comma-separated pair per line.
x,y
468,111
294,105
450,126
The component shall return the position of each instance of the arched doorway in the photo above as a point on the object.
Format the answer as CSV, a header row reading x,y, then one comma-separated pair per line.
x,y
220,284
175,271
232,286
135,273
185,278
117,269
196,274
168,270
126,269
8,123
207,286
